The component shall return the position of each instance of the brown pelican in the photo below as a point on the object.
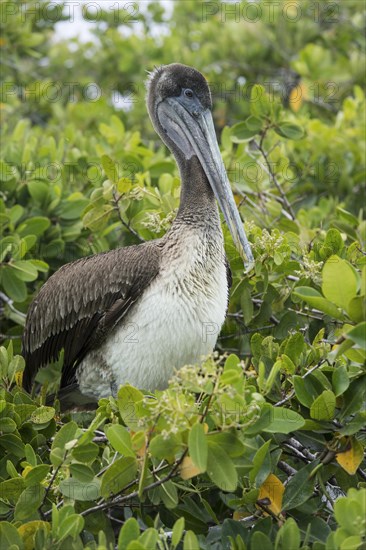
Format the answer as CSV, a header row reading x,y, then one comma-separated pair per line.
x,y
137,313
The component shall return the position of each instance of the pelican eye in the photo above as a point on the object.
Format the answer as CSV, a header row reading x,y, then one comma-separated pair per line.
x,y
188,93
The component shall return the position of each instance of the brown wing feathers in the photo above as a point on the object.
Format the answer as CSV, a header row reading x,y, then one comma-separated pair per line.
x,y
77,307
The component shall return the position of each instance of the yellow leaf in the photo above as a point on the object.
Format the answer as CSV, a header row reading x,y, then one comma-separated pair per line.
x,y
26,470
352,457
28,530
273,490
19,378
188,469
297,96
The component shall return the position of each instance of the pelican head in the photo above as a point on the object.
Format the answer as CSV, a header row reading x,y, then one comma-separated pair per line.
x,y
180,107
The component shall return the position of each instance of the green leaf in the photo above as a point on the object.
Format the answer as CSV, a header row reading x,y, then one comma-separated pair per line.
x,y
128,400
271,378
177,532
12,488
120,439
29,502
240,132
118,126
7,172
290,130
339,281
76,490
232,363
284,421
333,242
66,434
36,474
136,545
24,270
130,531
302,387
110,168
354,397
85,453
36,225
190,541
261,467
349,510
72,208
124,185
9,536
294,347
357,335
39,265
118,475
13,287
13,444
97,218
38,190
220,468
316,300
323,407
169,494
164,447
71,526
254,124
197,445
230,377
233,531
7,425
299,489
82,472
260,105
42,415
149,538
340,380
261,422
228,441
357,309
261,541
354,425
288,536
287,364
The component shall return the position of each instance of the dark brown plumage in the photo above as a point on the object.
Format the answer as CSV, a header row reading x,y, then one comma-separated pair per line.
x,y
77,307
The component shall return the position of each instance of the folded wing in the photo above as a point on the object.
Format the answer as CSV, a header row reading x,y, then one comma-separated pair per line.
x,y
81,303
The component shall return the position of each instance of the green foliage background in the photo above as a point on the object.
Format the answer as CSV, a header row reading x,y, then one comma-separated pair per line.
x,y
263,445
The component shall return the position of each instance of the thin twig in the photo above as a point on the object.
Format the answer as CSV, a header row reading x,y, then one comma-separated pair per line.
x,y
292,441
289,470
48,488
292,392
125,224
125,498
296,452
254,517
9,302
266,508
274,177
362,473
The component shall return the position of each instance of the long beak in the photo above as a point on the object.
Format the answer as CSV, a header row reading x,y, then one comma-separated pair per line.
x,y
199,131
